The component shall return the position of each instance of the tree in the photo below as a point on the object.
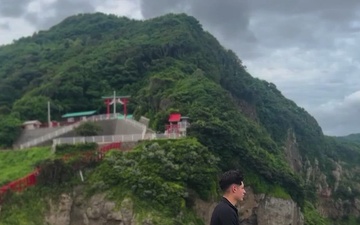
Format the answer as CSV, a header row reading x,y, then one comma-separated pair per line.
x,y
9,130
88,129
32,108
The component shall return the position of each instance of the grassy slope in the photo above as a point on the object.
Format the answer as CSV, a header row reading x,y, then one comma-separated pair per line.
x,y
16,164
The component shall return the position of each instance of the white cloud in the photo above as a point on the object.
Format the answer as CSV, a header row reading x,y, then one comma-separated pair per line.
x,y
33,15
16,29
340,117
128,8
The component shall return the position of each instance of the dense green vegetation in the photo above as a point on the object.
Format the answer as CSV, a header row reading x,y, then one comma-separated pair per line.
x,y
312,217
64,149
20,212
161,176
167,64
344,148
9,130
347,153
349,138
88,128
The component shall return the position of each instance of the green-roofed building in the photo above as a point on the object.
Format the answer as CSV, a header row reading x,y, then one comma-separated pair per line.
x,y
71,116
121,116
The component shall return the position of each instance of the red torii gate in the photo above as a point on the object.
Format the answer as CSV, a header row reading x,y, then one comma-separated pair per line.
x,y
109,100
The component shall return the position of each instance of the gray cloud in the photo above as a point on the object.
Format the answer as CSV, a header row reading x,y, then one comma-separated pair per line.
x,y
228,20
13,8
218,14
346,8
239,23
55,12
308,24
153,8
314,78
311,46
341,117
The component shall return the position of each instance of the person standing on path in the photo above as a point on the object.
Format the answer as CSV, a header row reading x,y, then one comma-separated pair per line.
x,y
232,185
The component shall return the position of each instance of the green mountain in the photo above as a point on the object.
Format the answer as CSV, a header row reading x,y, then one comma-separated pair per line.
x,y
350,137
170,64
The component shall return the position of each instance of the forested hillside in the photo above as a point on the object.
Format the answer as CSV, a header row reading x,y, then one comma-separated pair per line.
x,y
170,64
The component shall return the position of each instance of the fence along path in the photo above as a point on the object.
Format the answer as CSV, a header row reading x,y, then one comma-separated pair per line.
x,y
63,130
29,180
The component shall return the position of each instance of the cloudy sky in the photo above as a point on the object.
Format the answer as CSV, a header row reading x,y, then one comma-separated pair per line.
x,y
308,48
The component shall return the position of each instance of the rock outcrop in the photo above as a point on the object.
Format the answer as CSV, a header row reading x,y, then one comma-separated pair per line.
x,y
338,208
275,211
76,210
292,153
60,214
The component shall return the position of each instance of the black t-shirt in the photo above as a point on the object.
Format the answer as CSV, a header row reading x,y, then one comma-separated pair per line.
x,y
225,214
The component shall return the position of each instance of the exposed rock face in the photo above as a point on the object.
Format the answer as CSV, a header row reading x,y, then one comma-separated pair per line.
x,y
75,210
99,211
60,215
337,173
335,209
247,109
258,210
311,171
274,211
292,153
204,209
326,186
314,175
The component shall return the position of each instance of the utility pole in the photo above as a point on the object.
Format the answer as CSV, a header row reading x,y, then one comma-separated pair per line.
x,y
49,117
114,104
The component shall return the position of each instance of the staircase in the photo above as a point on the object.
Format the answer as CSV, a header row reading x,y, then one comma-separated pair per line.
x,y
51,135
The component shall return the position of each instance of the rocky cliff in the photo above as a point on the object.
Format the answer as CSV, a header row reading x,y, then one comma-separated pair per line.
x,y
74,209
332,184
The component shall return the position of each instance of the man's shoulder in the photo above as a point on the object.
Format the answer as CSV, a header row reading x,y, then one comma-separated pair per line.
x,y
223,207
224,214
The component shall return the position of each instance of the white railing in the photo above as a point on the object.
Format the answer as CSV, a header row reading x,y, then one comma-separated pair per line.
x,y
64,130
112,138
49,136
103,117
101,139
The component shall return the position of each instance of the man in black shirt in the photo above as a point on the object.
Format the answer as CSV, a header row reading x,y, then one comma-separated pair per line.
x,y
225,213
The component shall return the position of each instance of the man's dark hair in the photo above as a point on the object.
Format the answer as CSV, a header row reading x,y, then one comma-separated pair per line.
x,y
230,177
